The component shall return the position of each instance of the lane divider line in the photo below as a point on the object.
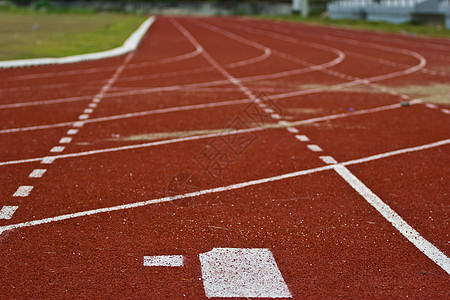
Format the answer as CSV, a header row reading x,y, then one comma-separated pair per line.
x,y
23,191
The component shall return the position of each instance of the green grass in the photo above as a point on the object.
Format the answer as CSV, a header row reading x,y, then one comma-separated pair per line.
x,y
425,30
61,34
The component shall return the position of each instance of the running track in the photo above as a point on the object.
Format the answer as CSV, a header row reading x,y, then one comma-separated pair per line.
x,y
228,133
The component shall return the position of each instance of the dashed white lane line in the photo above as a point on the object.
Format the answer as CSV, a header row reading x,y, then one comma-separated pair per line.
x,y
72,131
390,215
275,116
432,106
48,160
92,105
83,117
57,149
314,148
78,124
164,261
250,273
328,160
37,173
7,212
445,111
23,191
65,140
292,129
300,137
88,111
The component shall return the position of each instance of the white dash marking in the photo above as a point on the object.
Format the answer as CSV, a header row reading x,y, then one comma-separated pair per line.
x,y
446,111
7,212
65,140
164,261
23,191
390,215
88,110
252,273
328,160
405,97
302,138
37,173
269,110
78,124
72,131
83,117
96,100
292,129
432,106
48,160
92,105
57,149
275,116
314,148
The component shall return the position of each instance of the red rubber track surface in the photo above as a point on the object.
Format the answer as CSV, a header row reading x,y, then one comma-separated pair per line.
x,y
163,108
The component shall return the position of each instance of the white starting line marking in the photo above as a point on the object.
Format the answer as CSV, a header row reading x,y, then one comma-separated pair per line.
x,y
37,173
23,191
328,160
48,160
7,212
301,138
65,140
57,149
314,148
164,261
231,272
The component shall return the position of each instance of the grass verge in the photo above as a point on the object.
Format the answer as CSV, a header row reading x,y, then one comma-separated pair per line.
x,y
30,34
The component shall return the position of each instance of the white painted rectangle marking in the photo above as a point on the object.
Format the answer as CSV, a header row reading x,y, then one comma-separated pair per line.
x,y
292,129
164,261
314,148
72,131
275,116
47,160
23,191
7,212
88,110
57,149
83,117
37,173
432,106
65,140
78,124
446,111
269,110
328,160
92,105
232,272
96,100
302,138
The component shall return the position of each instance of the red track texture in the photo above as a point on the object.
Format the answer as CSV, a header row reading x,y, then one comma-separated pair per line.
x,y
215,119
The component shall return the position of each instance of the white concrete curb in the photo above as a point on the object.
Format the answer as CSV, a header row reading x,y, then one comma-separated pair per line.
x,y
130,45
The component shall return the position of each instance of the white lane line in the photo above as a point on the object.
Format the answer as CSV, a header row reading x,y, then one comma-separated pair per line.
x,y
275,116
432,106
65,140
314,148
445,111
72,131
88,111
392,217
23,191
220,189
7,212
57,149
37,173
269,110
164,261
47,160
92,105
244,273
83,117
292,129
301,138
283,123
328,160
